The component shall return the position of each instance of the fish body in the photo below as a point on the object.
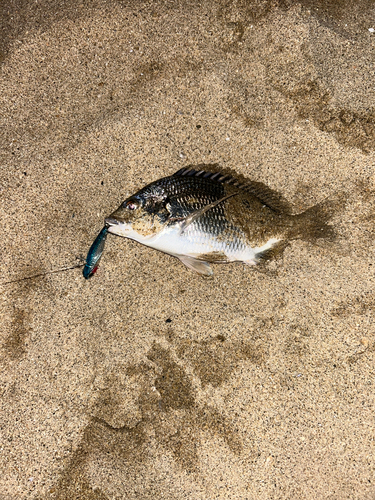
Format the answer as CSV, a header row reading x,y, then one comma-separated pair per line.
x,y
202,216
94,254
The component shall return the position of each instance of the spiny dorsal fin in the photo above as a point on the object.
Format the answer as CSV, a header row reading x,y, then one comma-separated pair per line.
x,y
213,172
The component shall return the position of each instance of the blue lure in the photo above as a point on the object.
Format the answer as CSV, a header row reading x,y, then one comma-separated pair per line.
x,y
95,252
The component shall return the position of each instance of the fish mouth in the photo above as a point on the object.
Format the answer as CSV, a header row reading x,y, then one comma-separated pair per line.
x,y
116,227
109,221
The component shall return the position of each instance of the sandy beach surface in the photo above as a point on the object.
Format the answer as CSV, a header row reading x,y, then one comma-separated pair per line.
x,y
148,381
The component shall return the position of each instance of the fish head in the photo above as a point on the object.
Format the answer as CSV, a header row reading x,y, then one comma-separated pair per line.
x,y
140,217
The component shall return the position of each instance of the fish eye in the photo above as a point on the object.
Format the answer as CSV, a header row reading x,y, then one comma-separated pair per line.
x,y
132,204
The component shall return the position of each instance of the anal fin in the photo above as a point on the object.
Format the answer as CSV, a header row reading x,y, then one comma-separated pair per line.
x,y
199,266
273,248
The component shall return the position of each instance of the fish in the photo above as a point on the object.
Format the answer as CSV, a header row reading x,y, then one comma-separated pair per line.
x,y
95,253
205,214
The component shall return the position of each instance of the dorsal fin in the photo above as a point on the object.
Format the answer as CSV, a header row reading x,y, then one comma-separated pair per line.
x,y
266,195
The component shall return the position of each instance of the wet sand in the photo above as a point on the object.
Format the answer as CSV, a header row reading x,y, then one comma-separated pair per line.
x,y
148,381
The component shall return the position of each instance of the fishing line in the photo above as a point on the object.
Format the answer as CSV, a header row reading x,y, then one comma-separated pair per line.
x,y
41,274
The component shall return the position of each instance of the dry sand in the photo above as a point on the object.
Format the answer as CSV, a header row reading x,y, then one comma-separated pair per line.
x,y
148,381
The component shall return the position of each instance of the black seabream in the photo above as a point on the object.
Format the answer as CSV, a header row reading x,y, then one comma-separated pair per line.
x,y
204,215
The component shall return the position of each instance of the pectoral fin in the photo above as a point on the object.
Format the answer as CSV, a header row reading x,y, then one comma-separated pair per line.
x,y
199,266
198,213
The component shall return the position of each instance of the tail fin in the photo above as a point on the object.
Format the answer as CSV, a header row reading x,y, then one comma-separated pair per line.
x,y
313,224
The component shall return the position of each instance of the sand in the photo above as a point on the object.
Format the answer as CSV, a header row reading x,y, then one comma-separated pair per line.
x,y
148,381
